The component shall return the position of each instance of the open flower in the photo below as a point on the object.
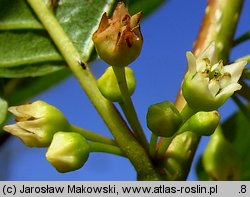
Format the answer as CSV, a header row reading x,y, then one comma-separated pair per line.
x,y
36,123
208,83
118,40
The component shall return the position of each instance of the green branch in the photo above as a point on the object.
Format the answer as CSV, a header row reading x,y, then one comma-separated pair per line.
x,y
241,39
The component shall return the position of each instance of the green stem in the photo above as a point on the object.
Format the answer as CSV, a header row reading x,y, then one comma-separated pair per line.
x,y
153,144
163,146
105,148
241,106
187,112
246,58
128,107
126,141
246,73
245,90
89,135
241,39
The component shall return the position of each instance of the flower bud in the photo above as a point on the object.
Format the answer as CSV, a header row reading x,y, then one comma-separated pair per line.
x,y
68,151
163,119
220,160
36,123
118,40
202,123
109,87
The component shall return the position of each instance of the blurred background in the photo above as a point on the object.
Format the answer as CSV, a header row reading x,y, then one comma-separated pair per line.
x,y
168,33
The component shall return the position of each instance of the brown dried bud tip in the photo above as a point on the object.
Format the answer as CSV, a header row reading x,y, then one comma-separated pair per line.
x,y
118,40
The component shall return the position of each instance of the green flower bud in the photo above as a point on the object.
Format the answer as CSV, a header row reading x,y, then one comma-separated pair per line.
x,y
118,40
163,119
68,151
36,123
202,123
109,87
220,160
208,83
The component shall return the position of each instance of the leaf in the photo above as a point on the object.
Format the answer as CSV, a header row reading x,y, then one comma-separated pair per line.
x,y
201,174
31,86
237,130
28,47
3,110
146,6
15,14
80,19
246,74
20,48
32,70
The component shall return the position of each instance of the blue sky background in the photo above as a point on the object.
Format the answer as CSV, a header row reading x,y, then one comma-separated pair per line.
x,y
168,34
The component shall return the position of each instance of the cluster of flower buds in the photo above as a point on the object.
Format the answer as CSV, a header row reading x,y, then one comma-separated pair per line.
x,y
163,119
38,125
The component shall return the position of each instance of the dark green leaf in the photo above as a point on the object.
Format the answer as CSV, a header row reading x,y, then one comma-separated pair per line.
x,y
237,130
200,172
20,48
26,88
80,19
34,47
3,110
15,14
32,70
246,74
146,6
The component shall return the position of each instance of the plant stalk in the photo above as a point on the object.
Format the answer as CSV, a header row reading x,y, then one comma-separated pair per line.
x,y
89,135
105,148
128,106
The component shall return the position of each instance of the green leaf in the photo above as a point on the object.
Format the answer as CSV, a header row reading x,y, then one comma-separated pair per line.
x,y
3,110
21,48
246,74
237,130
33,70
26,88
27,47
80,19
200,172
15,14
146,6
